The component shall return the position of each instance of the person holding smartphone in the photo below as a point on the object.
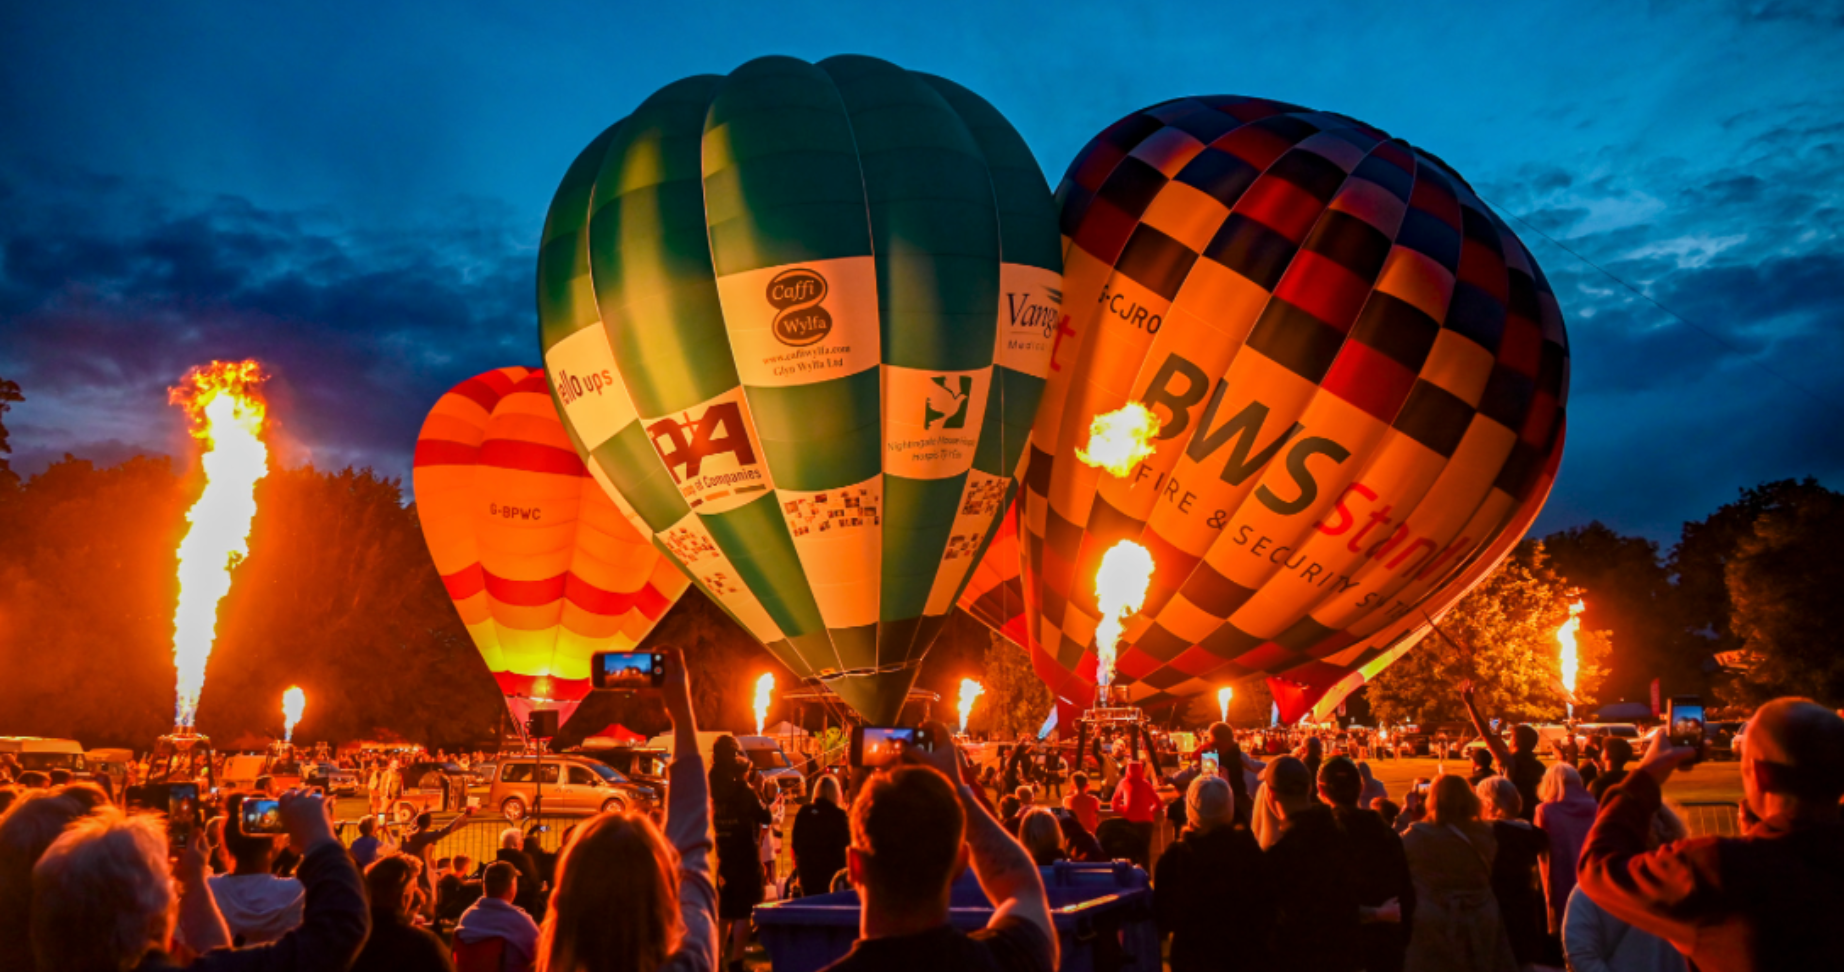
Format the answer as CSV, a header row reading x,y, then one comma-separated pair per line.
x,y
257,906
914,829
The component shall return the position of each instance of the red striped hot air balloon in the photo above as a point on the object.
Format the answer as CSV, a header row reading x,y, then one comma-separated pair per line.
x,y
543,567
1356,376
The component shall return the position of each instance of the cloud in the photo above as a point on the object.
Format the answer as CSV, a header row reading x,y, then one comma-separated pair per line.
x,y
362,329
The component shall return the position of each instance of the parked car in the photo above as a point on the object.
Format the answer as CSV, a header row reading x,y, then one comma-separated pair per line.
x,y
330,777
1723,737
112,763
570,784
637,763
45,754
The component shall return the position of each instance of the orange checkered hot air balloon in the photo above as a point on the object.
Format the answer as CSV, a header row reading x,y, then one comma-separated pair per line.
x,y
1358,376
544,568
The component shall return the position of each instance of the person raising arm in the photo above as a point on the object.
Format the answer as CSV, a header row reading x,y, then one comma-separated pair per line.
x,y
914,829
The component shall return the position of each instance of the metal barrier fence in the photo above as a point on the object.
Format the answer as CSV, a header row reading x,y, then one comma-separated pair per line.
x,y
477,839
1711,819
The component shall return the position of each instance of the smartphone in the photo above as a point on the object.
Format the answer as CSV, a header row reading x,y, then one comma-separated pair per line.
x,y
1684,722
260,818
627,671
879,746
1207,763
182,815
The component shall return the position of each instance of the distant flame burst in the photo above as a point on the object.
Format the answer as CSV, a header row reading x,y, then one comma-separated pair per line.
x,y
226,414
765,693
1224,694
1120,588
1571,662
1121,439
294,702
969,690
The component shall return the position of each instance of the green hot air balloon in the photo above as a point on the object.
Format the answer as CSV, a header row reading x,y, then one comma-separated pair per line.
x,y
798,320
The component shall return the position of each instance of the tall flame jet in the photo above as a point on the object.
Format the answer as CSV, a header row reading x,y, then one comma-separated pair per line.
x,y
294,702
969,690
226,414
1120,588
765,693
1571,662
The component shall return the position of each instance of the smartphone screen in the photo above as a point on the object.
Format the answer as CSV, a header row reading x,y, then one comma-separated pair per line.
x,y
182,813
261,817
1686,720
627,671
875,746
1207,764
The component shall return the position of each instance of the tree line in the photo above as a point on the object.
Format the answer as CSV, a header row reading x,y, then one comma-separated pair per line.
x,y
338,595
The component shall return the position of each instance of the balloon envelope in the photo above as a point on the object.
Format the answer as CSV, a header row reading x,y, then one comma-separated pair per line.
x,y
797,320
1359,375
543,568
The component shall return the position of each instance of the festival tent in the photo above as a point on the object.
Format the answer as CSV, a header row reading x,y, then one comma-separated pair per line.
x,y
615,734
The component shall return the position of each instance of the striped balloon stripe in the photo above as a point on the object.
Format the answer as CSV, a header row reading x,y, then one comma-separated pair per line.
x,y
543,567
775,319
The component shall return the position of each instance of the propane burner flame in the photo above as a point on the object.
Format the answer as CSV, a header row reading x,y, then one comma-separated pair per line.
x,y
1224,694
969,690
294,702
765,693
1121,439
226,415
1120,588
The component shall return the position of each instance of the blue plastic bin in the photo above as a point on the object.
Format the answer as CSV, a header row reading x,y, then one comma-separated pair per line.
x,y
1103,916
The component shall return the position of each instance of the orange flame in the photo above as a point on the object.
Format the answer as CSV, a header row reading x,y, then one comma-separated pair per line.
x,y
1121,439
1224,694
1565,637
765,693
294,702
226,414
969,690
1120,587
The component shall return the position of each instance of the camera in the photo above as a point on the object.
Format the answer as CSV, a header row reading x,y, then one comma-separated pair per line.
x,y
260,817
183,814
627,671
875,747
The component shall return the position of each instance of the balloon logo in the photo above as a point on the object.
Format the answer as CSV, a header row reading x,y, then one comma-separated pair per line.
x,y
798,320
543,567
1358,373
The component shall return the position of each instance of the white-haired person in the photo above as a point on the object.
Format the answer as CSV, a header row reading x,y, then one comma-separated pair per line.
x,y
1565,815
1596,941
104,899
531,883
1211,889
1515,879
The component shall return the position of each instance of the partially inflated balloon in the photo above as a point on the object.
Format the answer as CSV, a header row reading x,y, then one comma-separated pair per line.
x,y
1359,375
797,320
543,568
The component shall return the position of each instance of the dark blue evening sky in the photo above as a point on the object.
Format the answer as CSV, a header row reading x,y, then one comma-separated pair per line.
x,y
352,192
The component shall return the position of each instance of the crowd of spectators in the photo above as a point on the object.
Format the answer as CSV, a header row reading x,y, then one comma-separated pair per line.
x,y
1299,861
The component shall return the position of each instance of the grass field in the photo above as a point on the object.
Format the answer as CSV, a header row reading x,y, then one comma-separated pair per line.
x,y
1693,791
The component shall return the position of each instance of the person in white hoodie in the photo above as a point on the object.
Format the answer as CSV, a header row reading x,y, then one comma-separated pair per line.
x,y
495,916
258,907
1595,941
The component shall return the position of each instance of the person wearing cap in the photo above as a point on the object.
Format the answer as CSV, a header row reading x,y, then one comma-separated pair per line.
x,y
1210,890
1519,763
1311,877
1770,899
1378,865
